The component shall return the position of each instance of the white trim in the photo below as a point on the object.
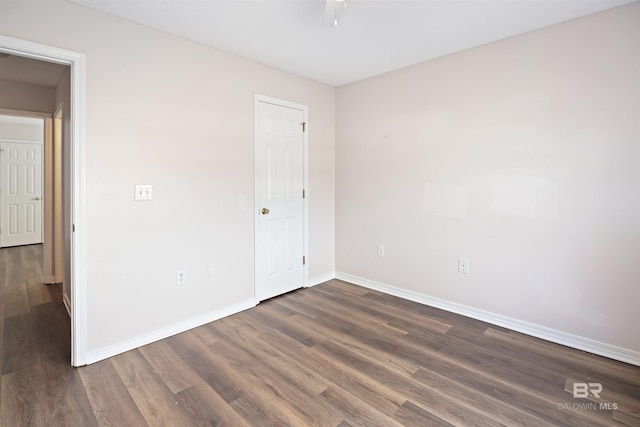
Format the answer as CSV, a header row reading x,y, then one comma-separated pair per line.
x,y
159,334
78,254
67,303
305,203
548,334
305,184
22,141
23,113
76,61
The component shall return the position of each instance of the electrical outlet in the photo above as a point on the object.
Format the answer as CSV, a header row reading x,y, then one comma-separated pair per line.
x,y
463,265
380,250
211,271
181,277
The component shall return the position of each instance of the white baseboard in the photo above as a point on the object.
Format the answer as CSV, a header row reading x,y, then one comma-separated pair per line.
x,y
67,303
312,281
548,334
149,337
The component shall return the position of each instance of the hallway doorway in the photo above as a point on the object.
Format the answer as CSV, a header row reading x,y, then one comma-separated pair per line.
x,y
73,175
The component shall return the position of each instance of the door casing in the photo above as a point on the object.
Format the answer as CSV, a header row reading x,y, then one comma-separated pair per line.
x,y
77,62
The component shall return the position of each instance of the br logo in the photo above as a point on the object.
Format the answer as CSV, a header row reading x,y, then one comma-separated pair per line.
x,y
582,390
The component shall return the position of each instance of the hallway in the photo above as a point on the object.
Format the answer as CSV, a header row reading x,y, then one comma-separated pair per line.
x,y
38,383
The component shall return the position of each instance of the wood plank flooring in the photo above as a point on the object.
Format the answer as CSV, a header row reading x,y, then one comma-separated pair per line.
x,y
332,355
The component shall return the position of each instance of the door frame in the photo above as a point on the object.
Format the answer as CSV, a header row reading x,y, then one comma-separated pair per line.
x,y
77,62
305,185
56,268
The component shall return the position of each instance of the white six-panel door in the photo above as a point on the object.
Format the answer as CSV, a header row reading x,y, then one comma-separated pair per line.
x,y
20,194
280,179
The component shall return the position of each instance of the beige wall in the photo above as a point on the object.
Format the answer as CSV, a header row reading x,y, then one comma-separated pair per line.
x,y
522,155
22,129
27,97
175,114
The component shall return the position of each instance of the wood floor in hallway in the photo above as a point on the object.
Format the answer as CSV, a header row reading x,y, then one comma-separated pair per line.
x,y
332,355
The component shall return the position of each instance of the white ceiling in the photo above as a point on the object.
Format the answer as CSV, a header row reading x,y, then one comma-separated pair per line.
x,y
373,36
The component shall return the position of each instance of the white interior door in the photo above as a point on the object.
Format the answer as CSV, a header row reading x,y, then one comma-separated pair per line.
x,y
280,199
20,194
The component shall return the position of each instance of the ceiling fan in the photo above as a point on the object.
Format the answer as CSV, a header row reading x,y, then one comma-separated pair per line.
x,y
332,10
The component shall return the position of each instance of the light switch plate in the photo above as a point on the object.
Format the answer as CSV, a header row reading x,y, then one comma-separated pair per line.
x,y
143,192
181,277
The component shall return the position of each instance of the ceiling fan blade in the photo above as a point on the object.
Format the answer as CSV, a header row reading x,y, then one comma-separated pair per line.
x,y
330,13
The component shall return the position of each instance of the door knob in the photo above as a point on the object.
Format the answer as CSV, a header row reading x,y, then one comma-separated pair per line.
x,y
265,211
37,198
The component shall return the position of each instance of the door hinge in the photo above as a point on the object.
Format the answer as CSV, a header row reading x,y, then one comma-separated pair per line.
x,y
73,228
303,193
304,126
304,260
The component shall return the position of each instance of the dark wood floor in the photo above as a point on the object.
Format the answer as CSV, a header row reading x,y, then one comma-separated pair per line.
x,y
331,355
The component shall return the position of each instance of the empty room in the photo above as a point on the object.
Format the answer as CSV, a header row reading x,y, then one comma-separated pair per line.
x,y
320,212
